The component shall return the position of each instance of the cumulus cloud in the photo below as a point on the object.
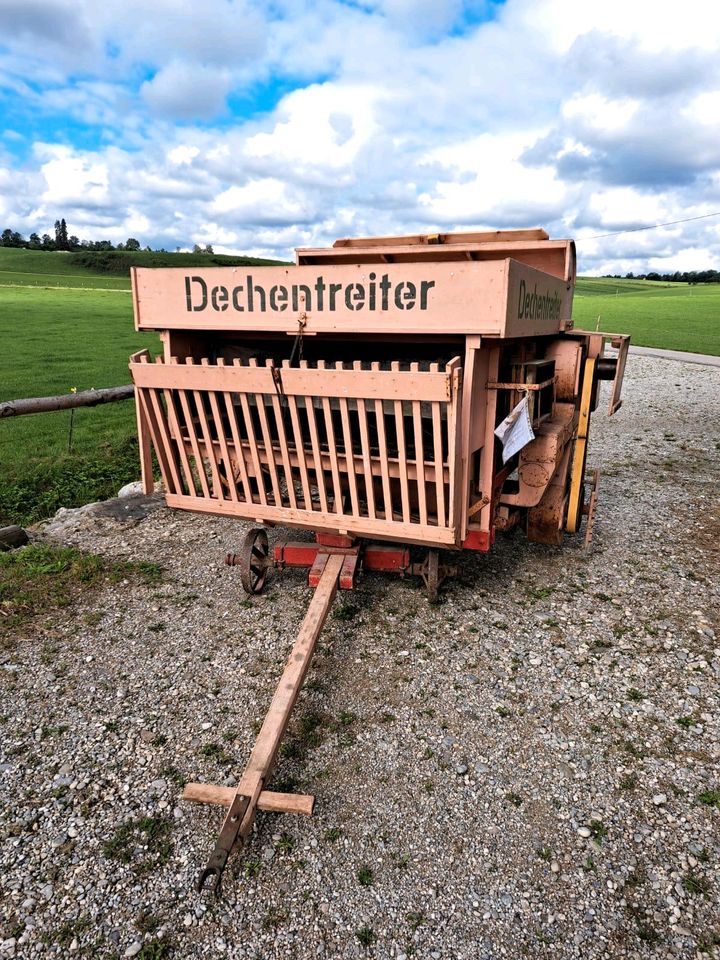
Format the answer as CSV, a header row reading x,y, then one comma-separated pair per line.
x,y
257,127
186,91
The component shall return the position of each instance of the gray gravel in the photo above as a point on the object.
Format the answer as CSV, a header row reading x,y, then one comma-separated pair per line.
x,y
517,772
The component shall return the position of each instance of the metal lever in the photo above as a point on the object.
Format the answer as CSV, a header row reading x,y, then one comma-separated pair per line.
x,y
225,843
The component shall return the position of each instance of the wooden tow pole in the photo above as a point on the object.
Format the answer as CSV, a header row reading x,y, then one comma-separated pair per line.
x,y
250,795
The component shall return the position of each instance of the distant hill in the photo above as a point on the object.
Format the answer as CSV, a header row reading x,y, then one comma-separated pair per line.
x,y
101,268
120,261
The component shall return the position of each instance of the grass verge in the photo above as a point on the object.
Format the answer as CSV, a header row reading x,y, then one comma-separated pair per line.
x,y
40,578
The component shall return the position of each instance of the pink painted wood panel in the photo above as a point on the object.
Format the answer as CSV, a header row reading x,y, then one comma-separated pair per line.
x,y
416,298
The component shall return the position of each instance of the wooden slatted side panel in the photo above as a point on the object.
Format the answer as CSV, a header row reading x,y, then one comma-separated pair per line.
x,y
344,460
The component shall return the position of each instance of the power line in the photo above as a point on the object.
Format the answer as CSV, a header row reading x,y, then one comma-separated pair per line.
x,y
670,223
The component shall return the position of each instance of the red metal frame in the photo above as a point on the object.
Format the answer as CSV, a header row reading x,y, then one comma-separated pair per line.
x,y
375,557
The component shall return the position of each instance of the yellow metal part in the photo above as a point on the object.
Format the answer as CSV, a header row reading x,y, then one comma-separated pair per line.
x,y
577,489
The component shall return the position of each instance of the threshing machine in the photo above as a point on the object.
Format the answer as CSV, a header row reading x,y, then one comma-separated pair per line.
x,y
397,396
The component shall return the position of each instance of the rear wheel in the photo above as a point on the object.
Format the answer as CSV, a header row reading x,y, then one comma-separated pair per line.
x,y
254,560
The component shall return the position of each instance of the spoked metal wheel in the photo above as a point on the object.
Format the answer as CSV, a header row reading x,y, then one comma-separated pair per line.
x,y
254,560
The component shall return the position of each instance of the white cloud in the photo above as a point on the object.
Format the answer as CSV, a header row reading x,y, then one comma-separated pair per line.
x,y
186,91
580,117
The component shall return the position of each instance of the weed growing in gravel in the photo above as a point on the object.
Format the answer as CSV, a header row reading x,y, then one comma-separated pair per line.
x,y
415,920
112,726
635,695
344,612
503,712
286,784
545,853
710,798
159,741
274,917
366,936
157,949
286,844
695,884
647,933
629,781
541,593
708,941
346,718
67,932
215,751
365,876
147,922
252,868
148,835
598,830
174,776
333,834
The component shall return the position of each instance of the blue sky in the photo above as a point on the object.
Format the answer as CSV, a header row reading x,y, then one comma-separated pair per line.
x,y
258,127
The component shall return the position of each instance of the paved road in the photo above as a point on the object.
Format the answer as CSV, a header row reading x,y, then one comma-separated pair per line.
x,y
676,355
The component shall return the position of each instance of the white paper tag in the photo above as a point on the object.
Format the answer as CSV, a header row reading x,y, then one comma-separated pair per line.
x,y
515,432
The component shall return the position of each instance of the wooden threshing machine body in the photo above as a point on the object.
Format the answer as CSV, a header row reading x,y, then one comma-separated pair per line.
x,y
357,392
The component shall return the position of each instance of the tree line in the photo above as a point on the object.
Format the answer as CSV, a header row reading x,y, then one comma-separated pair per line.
x,y
686,276
61,241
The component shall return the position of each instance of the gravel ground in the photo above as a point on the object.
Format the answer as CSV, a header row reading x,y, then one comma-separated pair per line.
x,y
528,769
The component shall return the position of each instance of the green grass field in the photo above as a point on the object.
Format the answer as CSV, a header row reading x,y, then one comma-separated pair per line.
x,y
674,316
63,326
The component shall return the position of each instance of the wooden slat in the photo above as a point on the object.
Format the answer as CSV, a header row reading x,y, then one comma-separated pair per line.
x,y
157,440
317,453
146,465
222,439
383,454
419,454
206,439
264,752
300,381
267,440
402,454
454,447
438,461
282,437
349,458
332,448
269,800
365,444
194,443
164,432
179,440
252,440
299,444
237,443
380,529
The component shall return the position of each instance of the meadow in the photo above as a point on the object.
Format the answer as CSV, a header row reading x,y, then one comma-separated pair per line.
x,y
64,326
673,316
